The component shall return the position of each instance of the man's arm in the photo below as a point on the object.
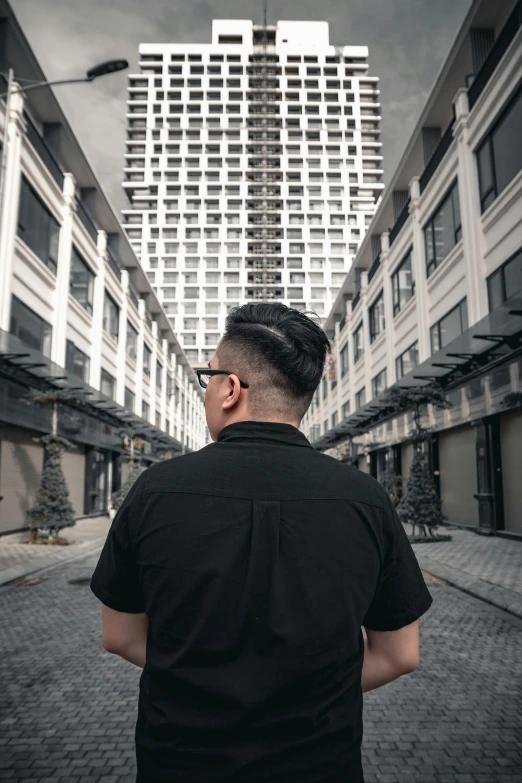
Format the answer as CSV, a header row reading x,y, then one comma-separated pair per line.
x,y
388,655
125,634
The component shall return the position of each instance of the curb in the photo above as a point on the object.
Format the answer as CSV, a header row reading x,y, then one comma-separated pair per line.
x,y
501,597
72,552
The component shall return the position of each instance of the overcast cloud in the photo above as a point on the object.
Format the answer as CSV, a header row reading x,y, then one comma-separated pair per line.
x,y
408,42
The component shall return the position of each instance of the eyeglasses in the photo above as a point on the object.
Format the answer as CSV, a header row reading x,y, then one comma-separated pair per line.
x,y
204,377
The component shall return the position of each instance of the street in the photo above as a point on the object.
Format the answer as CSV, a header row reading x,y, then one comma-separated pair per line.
x,y
68,707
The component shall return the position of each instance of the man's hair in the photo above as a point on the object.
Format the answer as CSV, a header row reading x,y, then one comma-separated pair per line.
x,y
280,352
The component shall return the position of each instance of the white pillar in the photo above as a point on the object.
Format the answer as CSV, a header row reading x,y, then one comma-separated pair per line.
x,y
337,359
419,273
154,359
15,127
61,293
164,401
140,351
366,335
388,308
472,231
97,311
122,342
351,361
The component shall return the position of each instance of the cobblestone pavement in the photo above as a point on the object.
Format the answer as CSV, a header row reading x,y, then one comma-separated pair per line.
x,y
68,708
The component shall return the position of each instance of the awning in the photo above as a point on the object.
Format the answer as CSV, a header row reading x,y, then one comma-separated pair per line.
x,y
18,360
491,340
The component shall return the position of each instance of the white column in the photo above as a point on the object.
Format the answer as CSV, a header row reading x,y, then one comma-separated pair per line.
x,y
472,232
140,351
122,342
154,359
351,362
388,308
61,293
164,401
337,359
14,130
171,401
366,336
419,273
97,311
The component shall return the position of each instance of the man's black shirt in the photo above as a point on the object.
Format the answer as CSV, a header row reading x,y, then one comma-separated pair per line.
x,y
257,560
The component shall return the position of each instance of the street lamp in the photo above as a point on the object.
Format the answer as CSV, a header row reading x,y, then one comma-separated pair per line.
x,y
102,69
110,66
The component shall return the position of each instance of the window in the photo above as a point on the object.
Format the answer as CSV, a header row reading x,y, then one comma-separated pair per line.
x,y
325,387
132,342
358,343
111,316
377,321
334,418
81,281
76,361
29,327
379,383
403,284
499,157
145,410
449,327
344,360
407,361
505,281
360,398
107,384
147,354
159,376
37,227
443,230
129,401
346,410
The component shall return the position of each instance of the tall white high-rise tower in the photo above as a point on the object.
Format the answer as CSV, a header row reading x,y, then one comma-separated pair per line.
x,y
252,168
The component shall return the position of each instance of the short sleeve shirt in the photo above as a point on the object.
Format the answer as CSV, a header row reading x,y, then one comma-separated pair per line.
x,y
258,560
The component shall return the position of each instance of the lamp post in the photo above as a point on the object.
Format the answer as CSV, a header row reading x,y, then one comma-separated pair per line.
x,y
102,69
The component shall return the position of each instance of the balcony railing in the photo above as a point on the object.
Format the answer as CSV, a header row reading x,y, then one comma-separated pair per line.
x,y
87,221
496,53
43,151
133,294
356,299
438,154
114,265
401,220
374,267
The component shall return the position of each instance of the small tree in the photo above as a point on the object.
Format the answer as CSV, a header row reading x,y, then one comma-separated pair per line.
x,y
392,483
132,476
52,509
420,504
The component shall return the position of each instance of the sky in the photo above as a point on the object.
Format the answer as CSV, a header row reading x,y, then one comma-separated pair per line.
x,y
408,42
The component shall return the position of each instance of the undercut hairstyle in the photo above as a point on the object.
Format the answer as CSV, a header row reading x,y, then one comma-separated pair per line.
x,y
280,352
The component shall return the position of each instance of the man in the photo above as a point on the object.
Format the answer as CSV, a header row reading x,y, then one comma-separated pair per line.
x,y
240,577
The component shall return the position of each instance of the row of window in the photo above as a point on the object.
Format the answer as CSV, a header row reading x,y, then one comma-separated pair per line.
x,y
235,70
235,149
138,92
256,59
243,108
275,136
37,333
138,101
136,127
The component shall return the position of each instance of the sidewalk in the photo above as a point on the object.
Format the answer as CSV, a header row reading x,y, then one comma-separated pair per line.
x,y
18,559
486,567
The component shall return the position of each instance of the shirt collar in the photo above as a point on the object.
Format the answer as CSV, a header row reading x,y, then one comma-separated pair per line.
x,y
275,431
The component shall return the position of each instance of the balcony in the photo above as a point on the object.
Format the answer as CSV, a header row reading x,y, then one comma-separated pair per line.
x,y
44,152
496,53
401,220
87,221
374,267
437,157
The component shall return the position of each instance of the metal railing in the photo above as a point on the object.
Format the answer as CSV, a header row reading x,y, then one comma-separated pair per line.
x,y
400,221
437,157
374,267
87,221
114,265
356,299
43,151
133,294
496,53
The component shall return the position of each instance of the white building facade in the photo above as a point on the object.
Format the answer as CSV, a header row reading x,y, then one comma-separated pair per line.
x,y
252,168
76,312
435,292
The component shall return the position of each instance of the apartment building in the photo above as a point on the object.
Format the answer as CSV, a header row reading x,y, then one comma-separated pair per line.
x,y
77,313
435,291
252,169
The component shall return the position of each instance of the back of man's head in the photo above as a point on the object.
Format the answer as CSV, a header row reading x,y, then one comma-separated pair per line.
x,y
280,351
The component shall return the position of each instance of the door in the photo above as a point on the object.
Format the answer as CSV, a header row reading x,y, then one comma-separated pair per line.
x,y
489,474
96,476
